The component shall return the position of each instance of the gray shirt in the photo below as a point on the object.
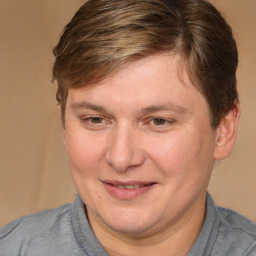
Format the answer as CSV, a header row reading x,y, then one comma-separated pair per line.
x,y
65,231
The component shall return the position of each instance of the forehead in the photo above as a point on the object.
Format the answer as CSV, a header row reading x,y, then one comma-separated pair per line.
x,y
152,81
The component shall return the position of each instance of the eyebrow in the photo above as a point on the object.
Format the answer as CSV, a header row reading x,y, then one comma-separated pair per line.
x,y
146,110
87,105
164,107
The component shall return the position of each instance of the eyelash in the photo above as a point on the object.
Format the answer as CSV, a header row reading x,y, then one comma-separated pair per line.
x,y
96,118
161,123
157,119
90,119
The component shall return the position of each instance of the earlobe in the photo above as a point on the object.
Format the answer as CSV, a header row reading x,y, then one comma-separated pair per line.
x,y
226,133
64,137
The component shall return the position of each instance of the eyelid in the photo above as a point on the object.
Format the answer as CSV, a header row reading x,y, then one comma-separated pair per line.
x,y
86,120
159,119
168,125
94,117
168,120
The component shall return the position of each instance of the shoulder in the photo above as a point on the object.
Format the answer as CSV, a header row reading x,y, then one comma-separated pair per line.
x,y
234,220
39,228
38,222
236,233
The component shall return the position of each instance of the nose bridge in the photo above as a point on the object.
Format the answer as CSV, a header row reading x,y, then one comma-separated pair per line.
x,y
123,150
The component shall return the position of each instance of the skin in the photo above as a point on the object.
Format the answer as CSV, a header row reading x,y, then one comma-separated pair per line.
x,y
145,126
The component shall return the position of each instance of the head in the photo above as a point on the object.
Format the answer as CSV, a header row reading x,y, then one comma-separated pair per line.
x,y
147,88
106,35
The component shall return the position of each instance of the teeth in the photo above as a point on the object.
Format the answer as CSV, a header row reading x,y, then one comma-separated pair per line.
x,y
128,186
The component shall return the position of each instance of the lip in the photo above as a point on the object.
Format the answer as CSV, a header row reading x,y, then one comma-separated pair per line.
x,y
112,187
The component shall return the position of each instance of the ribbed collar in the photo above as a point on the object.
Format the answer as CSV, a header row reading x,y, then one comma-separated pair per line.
x,y
83,231
205,241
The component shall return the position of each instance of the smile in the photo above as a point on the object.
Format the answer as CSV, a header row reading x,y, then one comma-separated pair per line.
x,y
128,190
129,186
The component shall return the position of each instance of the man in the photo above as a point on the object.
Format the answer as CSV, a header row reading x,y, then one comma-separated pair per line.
x,y
147,90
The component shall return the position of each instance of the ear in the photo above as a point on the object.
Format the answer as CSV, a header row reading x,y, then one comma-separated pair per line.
x,y
64,137
226,133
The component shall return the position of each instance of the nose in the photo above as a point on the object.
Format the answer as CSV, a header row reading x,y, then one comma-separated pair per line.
x,y
124,150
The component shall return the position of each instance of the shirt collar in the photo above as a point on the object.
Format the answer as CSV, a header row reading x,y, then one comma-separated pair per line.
x,y
205,241
83,231
85,235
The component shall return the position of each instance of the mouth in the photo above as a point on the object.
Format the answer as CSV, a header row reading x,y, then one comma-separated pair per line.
x,y
127,190
129,186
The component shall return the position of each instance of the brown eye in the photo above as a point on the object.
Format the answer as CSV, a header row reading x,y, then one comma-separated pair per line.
x,y
159,121
96,120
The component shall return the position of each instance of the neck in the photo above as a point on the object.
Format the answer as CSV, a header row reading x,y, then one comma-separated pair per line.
x,y
176,240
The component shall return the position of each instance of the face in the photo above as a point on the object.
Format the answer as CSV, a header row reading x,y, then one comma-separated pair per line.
x,y
140,146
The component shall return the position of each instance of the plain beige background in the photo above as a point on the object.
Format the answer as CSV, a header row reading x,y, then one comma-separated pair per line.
x,y
33,165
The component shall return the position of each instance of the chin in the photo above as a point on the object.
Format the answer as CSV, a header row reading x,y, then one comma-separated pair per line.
x,y
133,223
134,229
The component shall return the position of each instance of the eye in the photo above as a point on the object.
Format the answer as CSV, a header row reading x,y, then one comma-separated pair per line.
x,y
95,119
159,121
94,122
160,124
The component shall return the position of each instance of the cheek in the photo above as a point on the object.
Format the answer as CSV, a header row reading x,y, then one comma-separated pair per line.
x,y
170,153
84,152
182,154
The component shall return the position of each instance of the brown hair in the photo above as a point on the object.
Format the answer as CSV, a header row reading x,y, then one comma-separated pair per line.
x,y
105,34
